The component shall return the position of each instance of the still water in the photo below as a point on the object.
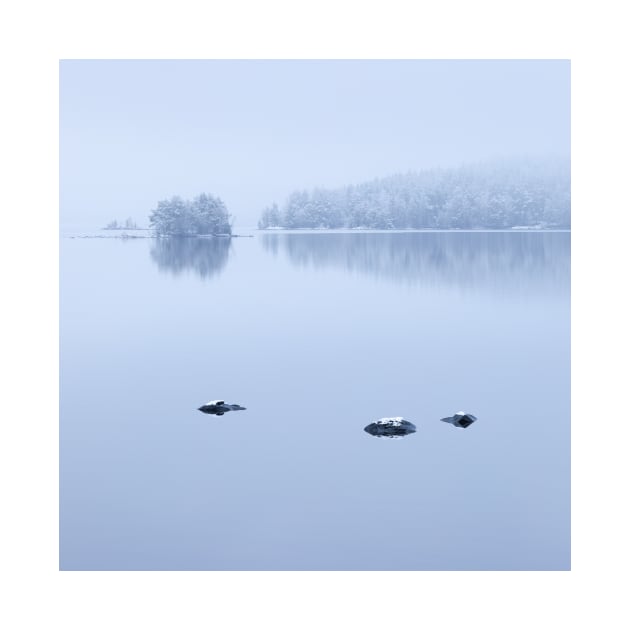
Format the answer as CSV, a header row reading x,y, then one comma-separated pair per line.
x,y
317,335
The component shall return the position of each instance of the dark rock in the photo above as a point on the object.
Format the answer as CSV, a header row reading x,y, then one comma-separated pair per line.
x,y
218,407
460,419
390,428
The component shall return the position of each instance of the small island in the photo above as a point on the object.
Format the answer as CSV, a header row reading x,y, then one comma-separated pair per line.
x,y
129,224
204,215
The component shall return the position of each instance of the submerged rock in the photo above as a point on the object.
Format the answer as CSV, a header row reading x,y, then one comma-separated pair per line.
x,y
390,428
460,419
218,407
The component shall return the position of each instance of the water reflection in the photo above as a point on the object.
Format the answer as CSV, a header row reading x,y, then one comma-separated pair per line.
x,y
390,428
205,256
536,261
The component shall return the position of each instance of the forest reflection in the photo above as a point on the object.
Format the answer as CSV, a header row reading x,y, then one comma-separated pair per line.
x,y
204,256
501,261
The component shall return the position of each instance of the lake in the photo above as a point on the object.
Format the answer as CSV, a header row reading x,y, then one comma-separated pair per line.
x,y
317,335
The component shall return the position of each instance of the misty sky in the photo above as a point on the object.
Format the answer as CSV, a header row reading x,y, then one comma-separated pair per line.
x,y
251,132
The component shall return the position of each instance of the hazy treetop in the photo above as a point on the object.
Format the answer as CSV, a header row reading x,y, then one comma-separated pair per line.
x,y
134,132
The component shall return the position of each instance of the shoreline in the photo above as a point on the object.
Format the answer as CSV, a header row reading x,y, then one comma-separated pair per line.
x,y
513,230
253,231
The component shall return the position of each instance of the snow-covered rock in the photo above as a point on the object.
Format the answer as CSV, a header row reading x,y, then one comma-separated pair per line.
x,y
390,427
461,419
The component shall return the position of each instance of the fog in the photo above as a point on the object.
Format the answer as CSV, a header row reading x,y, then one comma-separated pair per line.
x,y
251,132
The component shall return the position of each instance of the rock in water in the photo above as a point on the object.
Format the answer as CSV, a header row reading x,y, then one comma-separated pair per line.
x,y
460,419
218,407
390,427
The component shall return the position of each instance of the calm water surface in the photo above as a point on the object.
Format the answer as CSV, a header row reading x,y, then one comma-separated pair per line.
x,y
317,335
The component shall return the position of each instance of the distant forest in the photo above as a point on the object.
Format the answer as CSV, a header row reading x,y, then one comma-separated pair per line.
x,y
490,195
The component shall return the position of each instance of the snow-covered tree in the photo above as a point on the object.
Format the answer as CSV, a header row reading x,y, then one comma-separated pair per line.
x,y
488,195
204,215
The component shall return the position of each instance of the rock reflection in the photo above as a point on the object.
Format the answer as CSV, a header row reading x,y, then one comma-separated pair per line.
x,y
510,261
390,428
204,256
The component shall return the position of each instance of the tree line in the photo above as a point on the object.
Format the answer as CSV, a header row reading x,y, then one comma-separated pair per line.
x,y
488,195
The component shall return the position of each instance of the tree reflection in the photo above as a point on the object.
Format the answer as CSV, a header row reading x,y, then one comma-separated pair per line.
x,y
495,260
204,256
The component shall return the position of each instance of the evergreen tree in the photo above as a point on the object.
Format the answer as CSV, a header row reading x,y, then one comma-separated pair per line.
x,y
204,215
491,195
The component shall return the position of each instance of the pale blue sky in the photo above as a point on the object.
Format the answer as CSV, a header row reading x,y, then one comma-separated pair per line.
x,y
135,132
